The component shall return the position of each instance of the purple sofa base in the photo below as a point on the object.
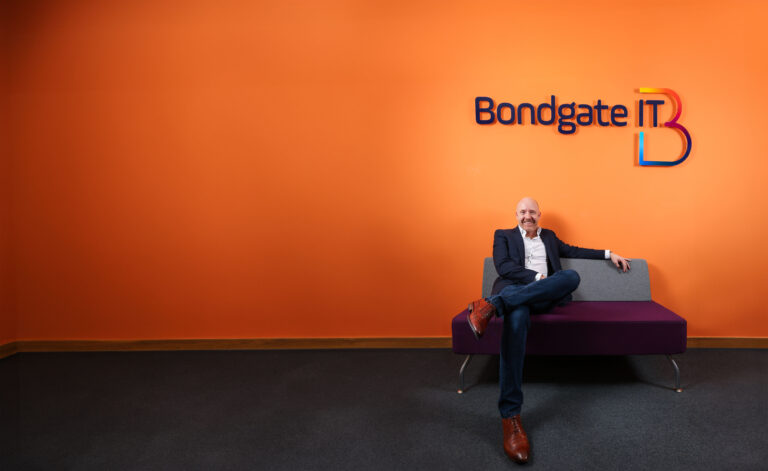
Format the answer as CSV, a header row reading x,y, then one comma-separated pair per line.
x,y
586,328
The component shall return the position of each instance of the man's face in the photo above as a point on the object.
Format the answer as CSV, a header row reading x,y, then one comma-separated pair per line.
x,y
528,215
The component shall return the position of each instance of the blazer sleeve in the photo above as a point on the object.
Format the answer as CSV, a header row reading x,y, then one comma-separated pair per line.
x,y
571,251
507,261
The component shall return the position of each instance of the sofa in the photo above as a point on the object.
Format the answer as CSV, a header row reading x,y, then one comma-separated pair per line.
x,y
612,313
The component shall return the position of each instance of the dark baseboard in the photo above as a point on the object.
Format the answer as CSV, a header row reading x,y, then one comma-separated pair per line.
x,y
9,349
727,342
221,344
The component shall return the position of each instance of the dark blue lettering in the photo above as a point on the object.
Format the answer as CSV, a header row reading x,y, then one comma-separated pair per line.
x,y
551,107
587,114
502,107
599,108
563,122
615,114
487,109
520,112
655,104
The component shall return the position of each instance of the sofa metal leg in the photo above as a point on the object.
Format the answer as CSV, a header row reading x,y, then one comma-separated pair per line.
x,y
677,374
461,373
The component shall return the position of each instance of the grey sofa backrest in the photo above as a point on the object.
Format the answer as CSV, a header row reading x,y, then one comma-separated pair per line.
x,y
600,280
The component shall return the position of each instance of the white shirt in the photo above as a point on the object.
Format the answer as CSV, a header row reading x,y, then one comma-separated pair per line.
x,y
536,254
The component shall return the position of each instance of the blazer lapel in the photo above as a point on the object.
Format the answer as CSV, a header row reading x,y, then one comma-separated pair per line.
x,y
518,238
549,246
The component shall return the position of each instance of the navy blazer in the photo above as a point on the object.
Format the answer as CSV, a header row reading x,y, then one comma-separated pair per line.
x,y
509,256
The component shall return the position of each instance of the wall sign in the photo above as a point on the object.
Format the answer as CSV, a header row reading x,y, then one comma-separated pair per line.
x,y
568,116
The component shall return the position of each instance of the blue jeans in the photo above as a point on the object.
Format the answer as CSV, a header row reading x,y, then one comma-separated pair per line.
x,y
515,304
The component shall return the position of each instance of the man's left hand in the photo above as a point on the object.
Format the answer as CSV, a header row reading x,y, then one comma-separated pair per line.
x,y
620,262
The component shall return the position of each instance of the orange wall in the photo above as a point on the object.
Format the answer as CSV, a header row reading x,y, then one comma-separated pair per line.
x,y
7,315
308,169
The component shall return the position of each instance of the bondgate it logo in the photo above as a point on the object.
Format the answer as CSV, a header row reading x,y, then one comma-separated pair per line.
x,y
567,118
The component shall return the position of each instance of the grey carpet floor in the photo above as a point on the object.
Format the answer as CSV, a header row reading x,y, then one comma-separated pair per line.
x,y
377,409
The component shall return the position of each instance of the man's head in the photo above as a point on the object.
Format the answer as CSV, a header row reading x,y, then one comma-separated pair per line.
x,y
528,214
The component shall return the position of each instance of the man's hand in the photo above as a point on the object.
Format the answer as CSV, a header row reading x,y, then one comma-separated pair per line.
x,y
620,262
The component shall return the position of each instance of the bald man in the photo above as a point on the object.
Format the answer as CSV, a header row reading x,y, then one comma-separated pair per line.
x,y
531,280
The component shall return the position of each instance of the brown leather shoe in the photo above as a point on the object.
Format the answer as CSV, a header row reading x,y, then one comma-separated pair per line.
x,y
516,444
480,313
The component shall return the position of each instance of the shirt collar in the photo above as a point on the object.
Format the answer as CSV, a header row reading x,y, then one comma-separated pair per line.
x,y
522,231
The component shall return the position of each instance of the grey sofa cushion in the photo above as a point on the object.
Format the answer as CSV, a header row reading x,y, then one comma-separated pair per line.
x,y
600,280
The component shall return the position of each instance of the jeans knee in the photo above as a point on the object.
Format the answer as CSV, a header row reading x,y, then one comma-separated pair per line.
x,y
572,277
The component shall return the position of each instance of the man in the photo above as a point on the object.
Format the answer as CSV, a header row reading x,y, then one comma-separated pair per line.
x,y
531,280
